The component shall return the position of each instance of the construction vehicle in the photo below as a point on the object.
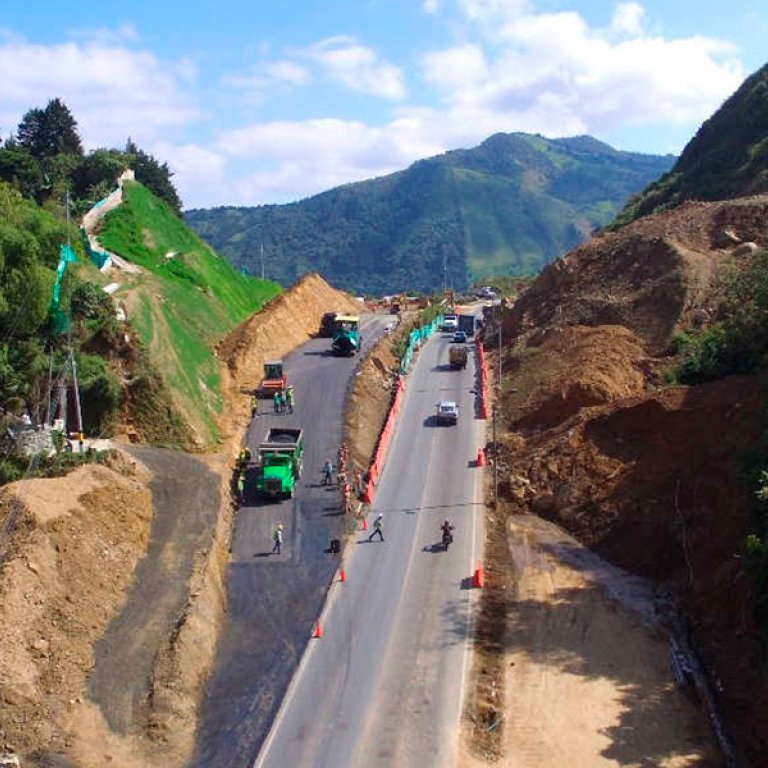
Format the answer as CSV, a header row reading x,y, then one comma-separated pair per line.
x,y
279,462
274,379
457,356
346,335
450,322
328,324
468,324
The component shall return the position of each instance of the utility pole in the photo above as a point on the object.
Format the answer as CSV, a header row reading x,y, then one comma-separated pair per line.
x,y
261,244
445,274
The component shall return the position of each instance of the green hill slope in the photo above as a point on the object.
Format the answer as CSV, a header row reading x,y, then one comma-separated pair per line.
x,y
509,206
727,158
186,299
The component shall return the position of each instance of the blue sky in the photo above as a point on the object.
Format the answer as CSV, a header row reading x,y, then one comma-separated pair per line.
x,y
268,102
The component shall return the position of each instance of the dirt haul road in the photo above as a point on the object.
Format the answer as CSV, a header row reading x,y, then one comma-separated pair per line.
x,y
584,672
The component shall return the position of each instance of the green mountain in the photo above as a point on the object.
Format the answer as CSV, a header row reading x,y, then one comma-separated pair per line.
x,y
727,158
509,206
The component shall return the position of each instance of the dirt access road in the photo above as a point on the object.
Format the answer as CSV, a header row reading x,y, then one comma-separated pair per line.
x,y
585,677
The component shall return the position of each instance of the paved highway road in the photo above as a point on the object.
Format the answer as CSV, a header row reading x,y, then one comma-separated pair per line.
x,y
272,600
384,684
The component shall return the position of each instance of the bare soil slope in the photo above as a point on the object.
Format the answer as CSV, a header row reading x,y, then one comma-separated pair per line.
x,y
648,476
79,549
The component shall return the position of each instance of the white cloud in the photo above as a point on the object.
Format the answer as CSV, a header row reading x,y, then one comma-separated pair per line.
x,y
311,156
551,73
431,6
198,173
455,67
356,67
112,91
268,75
628,19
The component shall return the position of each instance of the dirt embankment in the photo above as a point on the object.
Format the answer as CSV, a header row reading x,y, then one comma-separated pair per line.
x,y
73,558
648,476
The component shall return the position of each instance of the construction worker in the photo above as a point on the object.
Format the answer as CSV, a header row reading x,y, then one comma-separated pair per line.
x,y
283,401
277,537
289,398
327,473
358,485
244,457
276,401
378,527
241,486
254,405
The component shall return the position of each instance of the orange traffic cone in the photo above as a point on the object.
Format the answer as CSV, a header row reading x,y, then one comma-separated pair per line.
x,y
480,462
342,575
478,580
318,633
365,524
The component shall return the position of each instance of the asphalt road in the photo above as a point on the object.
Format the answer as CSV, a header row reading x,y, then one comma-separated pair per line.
x,y
384,685
273,600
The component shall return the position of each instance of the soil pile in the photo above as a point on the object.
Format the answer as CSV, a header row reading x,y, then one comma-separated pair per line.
x,y
649,476
76,549
285,323
653,277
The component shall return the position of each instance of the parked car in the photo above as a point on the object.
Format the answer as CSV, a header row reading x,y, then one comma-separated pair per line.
x,y
459,337
447,412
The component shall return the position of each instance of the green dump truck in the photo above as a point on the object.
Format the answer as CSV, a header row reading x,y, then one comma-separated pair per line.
x,y
279,462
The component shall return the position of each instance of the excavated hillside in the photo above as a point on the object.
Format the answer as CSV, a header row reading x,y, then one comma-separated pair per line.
x,y
112,590
648,475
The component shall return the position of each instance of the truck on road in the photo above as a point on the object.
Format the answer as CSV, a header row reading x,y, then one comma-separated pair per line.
x,y
457,356
279,462
468,324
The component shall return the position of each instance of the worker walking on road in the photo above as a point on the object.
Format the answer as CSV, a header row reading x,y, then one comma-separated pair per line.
x,y
276,401
327,473
378,527
254,405
241,486
277,537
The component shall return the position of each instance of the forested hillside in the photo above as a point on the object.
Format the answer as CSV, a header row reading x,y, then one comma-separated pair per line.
x,y
156,371
509,206
727,158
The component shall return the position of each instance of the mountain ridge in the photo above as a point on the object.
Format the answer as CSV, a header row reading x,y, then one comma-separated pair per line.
x,y
508,206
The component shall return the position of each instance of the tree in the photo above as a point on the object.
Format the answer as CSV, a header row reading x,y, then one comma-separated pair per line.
x,y
18,167
48,132
153,175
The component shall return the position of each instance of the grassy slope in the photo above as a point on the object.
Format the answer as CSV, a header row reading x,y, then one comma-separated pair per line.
x,y
187,304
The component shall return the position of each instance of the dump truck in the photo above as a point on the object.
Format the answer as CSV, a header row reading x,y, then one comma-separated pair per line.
x,y
274,379
279,462
328,324
346,335
468,324
457,356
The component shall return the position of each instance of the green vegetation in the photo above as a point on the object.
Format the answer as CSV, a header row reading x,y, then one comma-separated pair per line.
x,y
191,300
727,158
738,344
45,160
509,206
159,372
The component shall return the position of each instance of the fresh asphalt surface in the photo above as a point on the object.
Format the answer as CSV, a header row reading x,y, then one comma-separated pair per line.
x,y
273,600
384,685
